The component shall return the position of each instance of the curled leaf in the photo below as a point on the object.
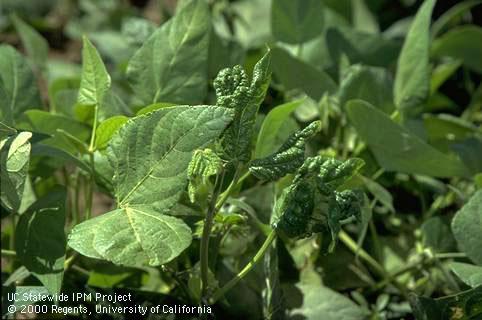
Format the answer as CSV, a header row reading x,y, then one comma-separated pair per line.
x,y
204,164
288,158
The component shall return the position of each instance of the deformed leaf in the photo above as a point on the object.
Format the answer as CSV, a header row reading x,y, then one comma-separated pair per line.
x,y
172,64
466,227
150,155
234,91
288,158
412,81
14,163
272,124
204,164
40,239
18,88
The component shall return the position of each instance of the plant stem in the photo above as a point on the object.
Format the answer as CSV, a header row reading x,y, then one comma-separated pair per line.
x,y
8,253
232,186
352,245
450,255
208,224
221,291
90,193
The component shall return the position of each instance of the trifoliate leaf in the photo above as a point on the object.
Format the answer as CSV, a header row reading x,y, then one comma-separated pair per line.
x,y
309,205
234,91
288,158
204,164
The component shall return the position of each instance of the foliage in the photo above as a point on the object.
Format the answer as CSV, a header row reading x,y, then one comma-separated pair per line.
x,y
261,159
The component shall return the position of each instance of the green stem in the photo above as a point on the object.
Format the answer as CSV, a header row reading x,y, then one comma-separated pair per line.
x,y
222,291
90,193
232,186
352,245
450,255
208,224
8,253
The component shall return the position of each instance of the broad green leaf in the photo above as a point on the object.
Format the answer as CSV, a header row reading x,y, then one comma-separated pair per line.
x,y
315,83
14,160
154,107
204,164
322,303
107,129
452,14
150,155
466,227
172,63
36,46
132,236
412,81
223,53
95,81
371,84
234,91
18,87
468,273
466,305
288,158
272,125
40,240
470,151
397,149
6,131
23,293
464,43
296,21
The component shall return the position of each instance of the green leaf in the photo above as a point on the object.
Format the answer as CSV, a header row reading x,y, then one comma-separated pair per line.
x,y
18,87
323,303
380,193
466,305
14,160
271,127
363,19
147,186
371,84
95,81
154,107
5,132
296,21
36,46
464,43
437,235
441,73
466,227
24,293
397,149
452,14
40,240
172,63
107,129
315,83
132,236
412,81
204,164
235,92
468,273
288,158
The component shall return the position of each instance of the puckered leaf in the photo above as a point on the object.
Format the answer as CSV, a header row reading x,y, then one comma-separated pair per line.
x,y
18,88
150,155
288,158
234,91
204,164
312,205
172,64
14,162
